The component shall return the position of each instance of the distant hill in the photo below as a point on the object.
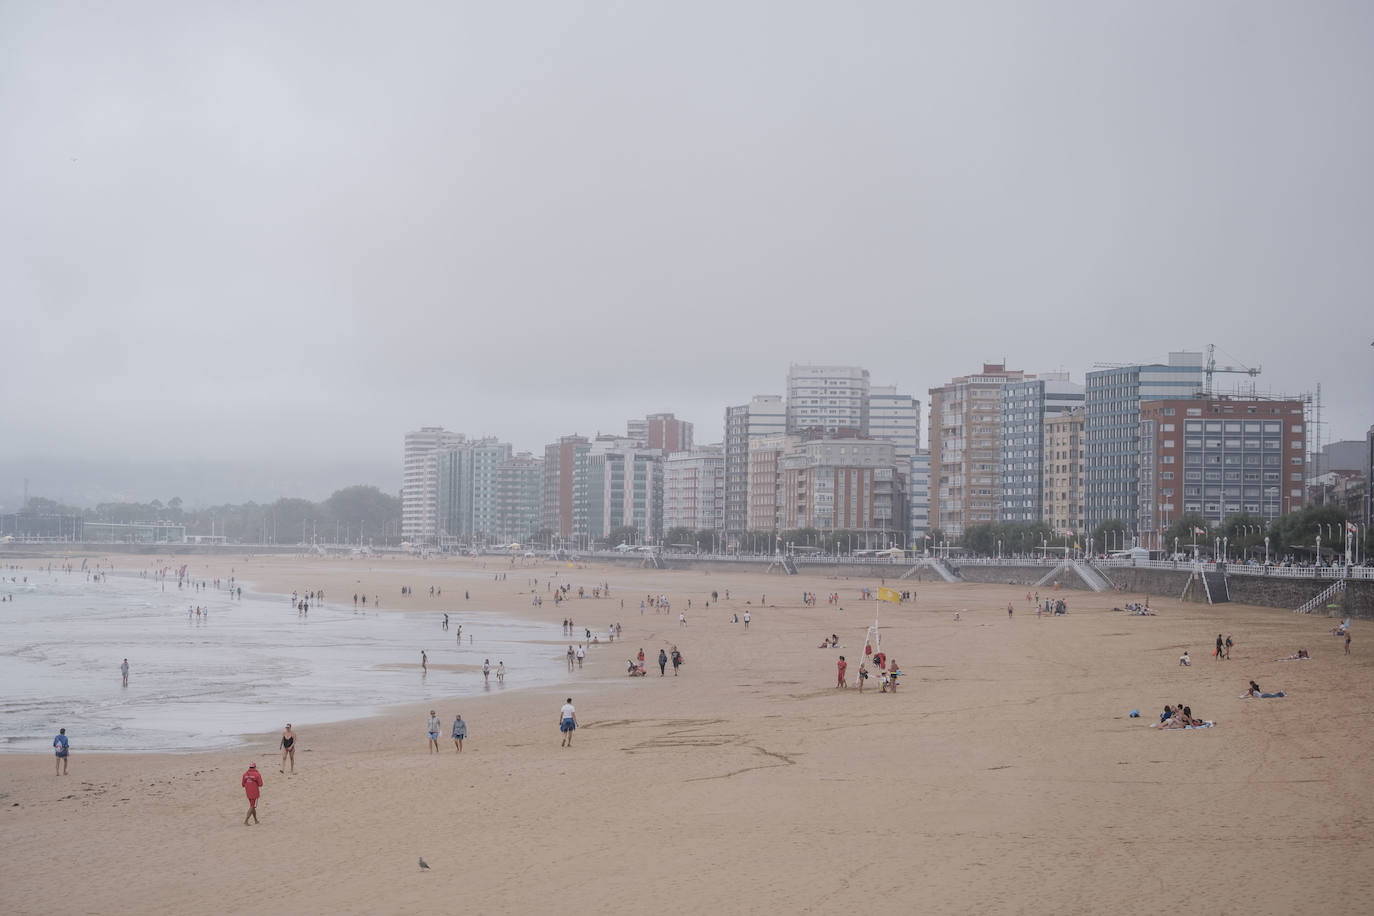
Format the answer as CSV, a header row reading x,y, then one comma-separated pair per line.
x,y
85,482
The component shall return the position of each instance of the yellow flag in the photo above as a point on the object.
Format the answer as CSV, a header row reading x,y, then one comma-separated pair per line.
x,y
888,594
1076,546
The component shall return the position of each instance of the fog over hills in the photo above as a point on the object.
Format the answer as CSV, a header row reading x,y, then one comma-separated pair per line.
x,y
89,482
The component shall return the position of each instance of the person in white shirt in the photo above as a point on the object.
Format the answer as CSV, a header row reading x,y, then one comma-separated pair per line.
x,y
567,722
581,654
433,730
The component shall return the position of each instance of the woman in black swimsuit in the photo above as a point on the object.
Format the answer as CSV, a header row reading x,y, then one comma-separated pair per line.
x,y
288,748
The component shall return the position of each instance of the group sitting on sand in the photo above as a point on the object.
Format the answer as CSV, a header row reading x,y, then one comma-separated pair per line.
x,y
1301,656
833,642
1138,610
1179,717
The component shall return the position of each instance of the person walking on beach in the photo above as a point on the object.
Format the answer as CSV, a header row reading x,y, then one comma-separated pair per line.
x,y
1347,641
1221,648
677,660
252,787
288,748
567,722
662,662
432,728
500,672
581,654
682,620
486,672
841,666
460,731
64,748
424,662
571,656
746,620
124,671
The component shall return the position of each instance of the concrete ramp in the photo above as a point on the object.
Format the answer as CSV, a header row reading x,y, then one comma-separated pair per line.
x,y
941,569
1086,574
783,565
1090,576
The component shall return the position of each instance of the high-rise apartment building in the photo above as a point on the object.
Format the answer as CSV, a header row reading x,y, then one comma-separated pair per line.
x,y
519,494
694,489
765,480
827,401
845,485
420,483
467,511
965,443
895,418
1217,457
622,487
764,415
918,497
1062,467
565,466
1112,429
1023,408
667,433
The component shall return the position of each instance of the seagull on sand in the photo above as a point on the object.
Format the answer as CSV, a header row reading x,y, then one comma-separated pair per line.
x,y
424,866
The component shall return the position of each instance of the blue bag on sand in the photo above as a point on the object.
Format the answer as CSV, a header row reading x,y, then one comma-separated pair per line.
x,y
1135,714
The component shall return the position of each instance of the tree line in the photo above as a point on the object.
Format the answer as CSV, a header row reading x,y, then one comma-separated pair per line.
x,y
355,515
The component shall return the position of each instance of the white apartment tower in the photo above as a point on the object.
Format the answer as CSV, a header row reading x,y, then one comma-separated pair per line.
x,y
694,489
895,418
420,483
827,400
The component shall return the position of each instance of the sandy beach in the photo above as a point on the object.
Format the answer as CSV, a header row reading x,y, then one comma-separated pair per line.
x,y
1004,777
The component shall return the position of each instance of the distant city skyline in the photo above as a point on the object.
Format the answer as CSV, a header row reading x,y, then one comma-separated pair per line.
x,y
229,243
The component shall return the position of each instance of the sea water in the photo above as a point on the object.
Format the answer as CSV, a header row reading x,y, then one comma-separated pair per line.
x,y
247,666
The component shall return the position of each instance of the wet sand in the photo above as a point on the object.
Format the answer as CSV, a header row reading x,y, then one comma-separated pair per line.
x,y
1004,777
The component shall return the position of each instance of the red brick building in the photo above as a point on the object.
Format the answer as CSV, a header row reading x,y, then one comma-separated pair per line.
x,y
1217,457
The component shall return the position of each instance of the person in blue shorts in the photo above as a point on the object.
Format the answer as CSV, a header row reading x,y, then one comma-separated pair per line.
x,y
63,749
567,722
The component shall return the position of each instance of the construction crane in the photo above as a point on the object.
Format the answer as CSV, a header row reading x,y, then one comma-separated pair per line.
x,y
1213,367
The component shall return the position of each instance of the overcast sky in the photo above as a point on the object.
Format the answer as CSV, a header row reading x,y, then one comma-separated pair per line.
x,y
289,232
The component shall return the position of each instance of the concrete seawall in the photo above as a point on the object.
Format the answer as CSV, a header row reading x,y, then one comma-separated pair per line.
x,y
1264,591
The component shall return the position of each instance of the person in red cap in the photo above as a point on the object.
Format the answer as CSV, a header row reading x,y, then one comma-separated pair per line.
x,y
252,784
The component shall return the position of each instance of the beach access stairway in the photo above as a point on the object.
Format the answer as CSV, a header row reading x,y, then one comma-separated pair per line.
x,y
783,563
1218,592
1091,577
941,568
1320,600
1213,583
